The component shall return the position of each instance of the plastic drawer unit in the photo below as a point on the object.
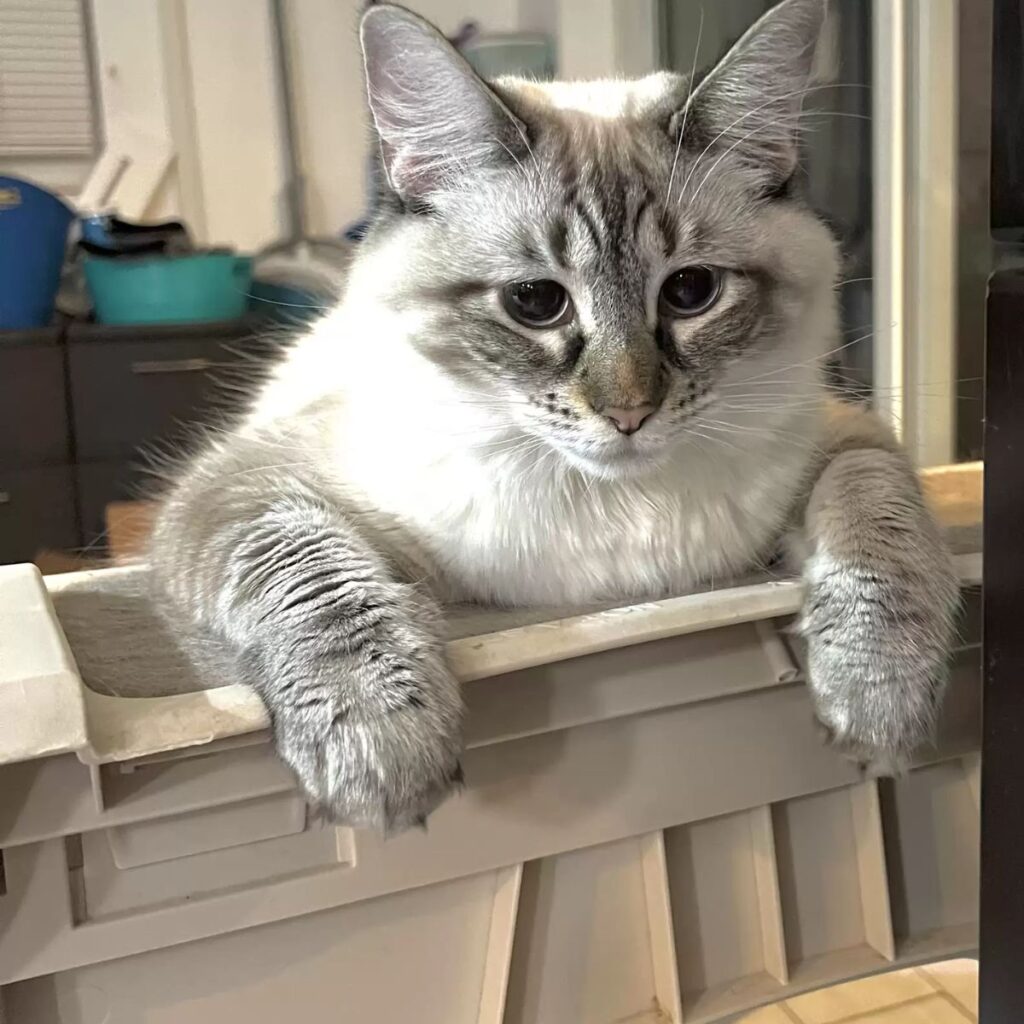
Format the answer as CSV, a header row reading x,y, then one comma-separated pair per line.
x,y
651,829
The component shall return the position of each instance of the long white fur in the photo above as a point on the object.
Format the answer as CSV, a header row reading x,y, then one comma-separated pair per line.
x,y
503,517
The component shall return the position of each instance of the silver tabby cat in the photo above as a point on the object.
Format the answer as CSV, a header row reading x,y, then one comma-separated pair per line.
x,y
578,359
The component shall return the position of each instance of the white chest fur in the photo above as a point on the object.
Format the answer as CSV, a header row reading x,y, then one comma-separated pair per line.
x,y
511,522
530,530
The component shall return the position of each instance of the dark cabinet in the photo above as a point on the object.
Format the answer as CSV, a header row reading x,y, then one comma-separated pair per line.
x,y
37,510
38,506
141,393
33,406
84,408
134,386
99,483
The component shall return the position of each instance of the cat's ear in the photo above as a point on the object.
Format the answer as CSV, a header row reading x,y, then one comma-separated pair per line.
x,y
751,99
436,119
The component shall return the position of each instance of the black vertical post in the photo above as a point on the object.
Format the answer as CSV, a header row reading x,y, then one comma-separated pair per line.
x,y
1001,939
1001,999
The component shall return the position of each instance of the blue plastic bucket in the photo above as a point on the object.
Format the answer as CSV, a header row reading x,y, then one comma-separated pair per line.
x,y
33,234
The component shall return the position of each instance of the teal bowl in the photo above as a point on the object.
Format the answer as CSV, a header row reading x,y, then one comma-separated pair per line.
x,y
169,289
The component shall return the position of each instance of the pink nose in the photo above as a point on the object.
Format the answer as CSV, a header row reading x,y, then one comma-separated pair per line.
x,y
628,421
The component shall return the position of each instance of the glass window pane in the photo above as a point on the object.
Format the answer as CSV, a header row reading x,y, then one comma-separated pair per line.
x,y
836,144
836,169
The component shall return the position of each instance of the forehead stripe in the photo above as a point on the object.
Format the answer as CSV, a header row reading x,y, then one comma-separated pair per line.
x,y
591,225
558,234
641,208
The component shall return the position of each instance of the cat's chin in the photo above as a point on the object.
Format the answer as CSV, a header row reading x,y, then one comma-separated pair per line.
x,y
613,464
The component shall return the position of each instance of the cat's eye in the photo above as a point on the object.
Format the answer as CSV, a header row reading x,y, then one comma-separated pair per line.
x,y
690,291
537,303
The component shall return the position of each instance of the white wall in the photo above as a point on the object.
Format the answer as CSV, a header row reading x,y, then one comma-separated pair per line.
x,y
334,138
203,73
236,139
132,79
63,175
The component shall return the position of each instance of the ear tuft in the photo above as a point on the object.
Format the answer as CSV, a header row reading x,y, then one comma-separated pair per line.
x,y
436,119
751,100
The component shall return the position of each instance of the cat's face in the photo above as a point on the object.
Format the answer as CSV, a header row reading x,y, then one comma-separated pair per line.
x,y
612,268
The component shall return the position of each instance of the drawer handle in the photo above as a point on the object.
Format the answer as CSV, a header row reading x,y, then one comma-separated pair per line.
x,y
148,366
5,498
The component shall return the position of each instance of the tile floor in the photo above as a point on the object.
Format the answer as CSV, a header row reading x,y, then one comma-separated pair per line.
x,y
945,993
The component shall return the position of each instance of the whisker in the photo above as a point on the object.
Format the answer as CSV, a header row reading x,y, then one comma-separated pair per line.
x,y
770,374
750,113
748,135
686,109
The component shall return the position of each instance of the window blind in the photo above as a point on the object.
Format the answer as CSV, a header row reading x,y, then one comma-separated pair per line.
x,y
45,96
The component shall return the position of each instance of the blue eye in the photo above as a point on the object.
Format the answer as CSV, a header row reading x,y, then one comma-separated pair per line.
x,y
537,303
690,291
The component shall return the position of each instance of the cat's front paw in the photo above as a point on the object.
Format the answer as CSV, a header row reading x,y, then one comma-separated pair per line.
x,y
374,738
878,638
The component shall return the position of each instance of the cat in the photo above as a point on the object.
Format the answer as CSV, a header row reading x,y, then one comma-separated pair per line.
x,y
579,358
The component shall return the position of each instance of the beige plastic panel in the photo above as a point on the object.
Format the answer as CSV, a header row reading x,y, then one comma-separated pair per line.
x,y
413,956
932,818
582,949
593,688
725,909
826,908
203,831
527,799
107,890
692,923
650,833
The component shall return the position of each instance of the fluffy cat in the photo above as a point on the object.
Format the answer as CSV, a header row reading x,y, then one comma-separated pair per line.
x,y
578,358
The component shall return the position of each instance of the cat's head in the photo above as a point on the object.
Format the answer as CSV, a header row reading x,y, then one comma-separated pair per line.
x,y
613,266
